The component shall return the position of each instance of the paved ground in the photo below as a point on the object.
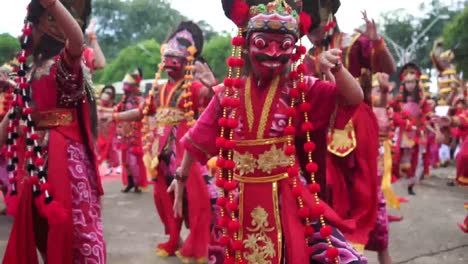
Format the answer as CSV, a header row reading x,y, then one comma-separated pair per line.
x,y
428,234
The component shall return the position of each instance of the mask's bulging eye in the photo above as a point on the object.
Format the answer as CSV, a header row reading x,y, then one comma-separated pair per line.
x,y
259,43
287,44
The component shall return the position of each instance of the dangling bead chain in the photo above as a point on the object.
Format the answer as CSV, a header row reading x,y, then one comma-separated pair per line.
x,y
145,129
228,122
21,106
297,94
188,78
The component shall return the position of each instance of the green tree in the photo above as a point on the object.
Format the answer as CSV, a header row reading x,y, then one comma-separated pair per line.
x,y
146,54
402,28
455,36
122,23
216,51
9,45
434,10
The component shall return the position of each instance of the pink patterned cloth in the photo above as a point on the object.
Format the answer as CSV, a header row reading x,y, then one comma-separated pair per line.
x,y
88,244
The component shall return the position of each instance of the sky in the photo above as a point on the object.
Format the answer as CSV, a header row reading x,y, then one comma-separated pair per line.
x,y
12,14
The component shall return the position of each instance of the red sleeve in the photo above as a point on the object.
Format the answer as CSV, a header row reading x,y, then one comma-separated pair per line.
x,y
365,51
322,95
200,139
364,181
88,57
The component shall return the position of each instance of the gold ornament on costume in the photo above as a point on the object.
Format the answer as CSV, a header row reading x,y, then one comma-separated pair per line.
x,y
448,81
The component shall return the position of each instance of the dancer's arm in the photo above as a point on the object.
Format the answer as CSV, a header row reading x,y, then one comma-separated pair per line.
x,y
3,132
348,87
99,61
69,26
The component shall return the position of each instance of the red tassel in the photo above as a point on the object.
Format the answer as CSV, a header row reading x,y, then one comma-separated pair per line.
x,y
289,131
290,150
305,22
55,213
239,13
332,253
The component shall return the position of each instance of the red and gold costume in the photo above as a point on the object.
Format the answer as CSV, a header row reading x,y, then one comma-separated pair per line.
x,y
6,87
262,146
55,164
107,142
461,122
131,144
168,112
353,145
410,159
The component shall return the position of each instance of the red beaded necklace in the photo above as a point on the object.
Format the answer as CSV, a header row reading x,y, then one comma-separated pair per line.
x,y
37,173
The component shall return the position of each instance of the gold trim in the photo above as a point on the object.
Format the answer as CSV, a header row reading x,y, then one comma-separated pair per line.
x,y
348,50
171,93
248,103
266,179
359,247
241,211
260,142
343,141
462,179
267,107
190,140
277,219
259,247
53,118
162,124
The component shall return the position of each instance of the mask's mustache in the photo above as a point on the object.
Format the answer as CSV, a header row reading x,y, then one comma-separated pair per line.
x,y
283,59
170,68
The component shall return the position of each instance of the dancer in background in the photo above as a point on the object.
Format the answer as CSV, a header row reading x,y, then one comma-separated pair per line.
x,y
131,145
107,143
352,173
176,105
411,134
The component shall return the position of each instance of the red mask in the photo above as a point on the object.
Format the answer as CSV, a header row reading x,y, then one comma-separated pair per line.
x,y
129,88
269,53
174,66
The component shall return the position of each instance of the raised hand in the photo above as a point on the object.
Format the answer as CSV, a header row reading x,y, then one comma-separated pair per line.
x,y
371,29
383,79
91,30
330,59
204,74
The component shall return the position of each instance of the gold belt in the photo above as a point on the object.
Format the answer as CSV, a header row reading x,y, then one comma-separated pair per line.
x,y
266,179
260,142
174,123
53,118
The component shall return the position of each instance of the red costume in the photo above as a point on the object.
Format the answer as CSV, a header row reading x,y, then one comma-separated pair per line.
x,y
168,113
261,147
353,145
107,143
461,121
410,159
131,145
53,215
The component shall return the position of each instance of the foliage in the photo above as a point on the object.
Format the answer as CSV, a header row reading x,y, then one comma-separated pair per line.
x,y
145,54
122,23
403,28
8,47
216,51
456,37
